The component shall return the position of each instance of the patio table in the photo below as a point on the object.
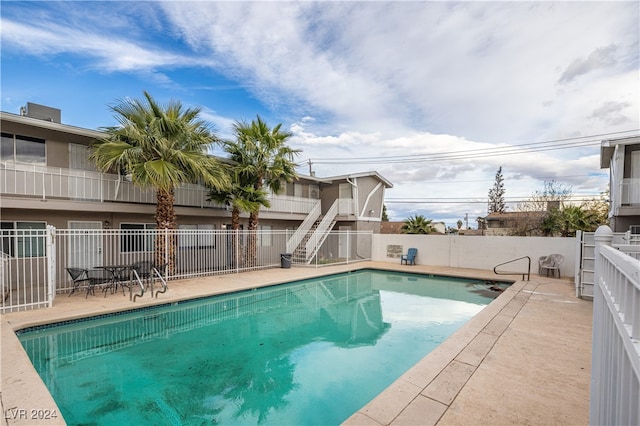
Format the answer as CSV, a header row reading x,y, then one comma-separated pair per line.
x,y
118,274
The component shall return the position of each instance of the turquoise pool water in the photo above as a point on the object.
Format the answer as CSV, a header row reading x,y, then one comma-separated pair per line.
x,y
310,352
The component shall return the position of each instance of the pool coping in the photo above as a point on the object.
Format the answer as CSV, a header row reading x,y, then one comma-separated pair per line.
x,y
425,392
389,405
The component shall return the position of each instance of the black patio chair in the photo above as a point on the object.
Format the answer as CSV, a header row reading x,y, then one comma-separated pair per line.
x,y
99,277
78,276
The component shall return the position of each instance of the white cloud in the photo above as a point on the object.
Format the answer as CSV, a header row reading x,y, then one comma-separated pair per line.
x,y
386,79
110,54
602,57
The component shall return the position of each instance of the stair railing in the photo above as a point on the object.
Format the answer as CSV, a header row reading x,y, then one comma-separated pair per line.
x,y
322,231
527,274
304,227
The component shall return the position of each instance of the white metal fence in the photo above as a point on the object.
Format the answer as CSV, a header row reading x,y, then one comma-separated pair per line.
x,y
615,366
33,267
586,258
24,268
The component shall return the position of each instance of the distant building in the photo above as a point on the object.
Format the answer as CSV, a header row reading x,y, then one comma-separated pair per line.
x,y
396,227
391,227
511,222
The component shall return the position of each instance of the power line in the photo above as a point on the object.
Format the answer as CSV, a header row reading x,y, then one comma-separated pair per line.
x,y
462,200
489,152
514,180
577,142
573,197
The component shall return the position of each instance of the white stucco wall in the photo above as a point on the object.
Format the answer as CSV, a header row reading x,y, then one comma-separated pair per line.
x,y
478,252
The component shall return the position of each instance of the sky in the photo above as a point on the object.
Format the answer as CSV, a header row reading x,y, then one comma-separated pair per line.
x,y
434,96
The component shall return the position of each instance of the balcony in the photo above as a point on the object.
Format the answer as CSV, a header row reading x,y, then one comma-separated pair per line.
x,y
45,182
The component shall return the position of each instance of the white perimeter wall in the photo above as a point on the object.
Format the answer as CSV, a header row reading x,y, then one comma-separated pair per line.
x,y
478,252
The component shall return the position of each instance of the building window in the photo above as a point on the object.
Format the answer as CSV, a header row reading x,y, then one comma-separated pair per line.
x,y
22,149
137,237
314,192
23,239
264,236
196,236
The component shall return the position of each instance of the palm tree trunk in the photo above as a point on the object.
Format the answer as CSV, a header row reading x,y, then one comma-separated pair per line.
x,y
252,240
165,247
235,245
252,237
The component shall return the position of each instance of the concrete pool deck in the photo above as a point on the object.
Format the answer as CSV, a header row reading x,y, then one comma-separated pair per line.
x,y
524,359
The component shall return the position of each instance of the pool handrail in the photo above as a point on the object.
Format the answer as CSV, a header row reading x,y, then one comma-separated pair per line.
x,y
156,270
138,269
528,273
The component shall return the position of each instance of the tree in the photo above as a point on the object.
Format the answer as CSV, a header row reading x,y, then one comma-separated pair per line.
x,y
241,196
417,225
540,213
572,219
553,195
551,214
160,148
599,209
385,218
263,161
459,224
496,194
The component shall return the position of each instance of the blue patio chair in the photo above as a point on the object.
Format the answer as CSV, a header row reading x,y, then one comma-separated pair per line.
x,y
410,257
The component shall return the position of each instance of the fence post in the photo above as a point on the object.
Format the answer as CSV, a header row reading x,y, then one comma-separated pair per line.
x,y
578,263
603,236
50,250
236,238
167,254
348,245
315,244
44,185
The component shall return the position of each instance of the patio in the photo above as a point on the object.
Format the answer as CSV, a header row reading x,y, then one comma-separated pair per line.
x,y
525,359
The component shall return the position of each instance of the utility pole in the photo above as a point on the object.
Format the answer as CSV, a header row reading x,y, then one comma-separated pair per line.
x,y
466,220
310,171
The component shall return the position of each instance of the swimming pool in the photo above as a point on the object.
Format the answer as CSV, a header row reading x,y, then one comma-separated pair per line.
x,y
311,352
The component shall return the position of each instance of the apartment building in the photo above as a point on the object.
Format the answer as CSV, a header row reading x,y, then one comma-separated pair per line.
x,y
622,157
46,178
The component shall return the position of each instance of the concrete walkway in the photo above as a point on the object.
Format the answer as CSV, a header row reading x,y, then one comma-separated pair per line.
x,y
524,359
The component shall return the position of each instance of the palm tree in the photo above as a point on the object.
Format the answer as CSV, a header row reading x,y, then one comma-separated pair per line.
x,y
263,160
417,225
574,218
241,197
161,148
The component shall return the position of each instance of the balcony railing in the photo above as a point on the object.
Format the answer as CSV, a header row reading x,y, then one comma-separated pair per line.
x,y
630,192
47,182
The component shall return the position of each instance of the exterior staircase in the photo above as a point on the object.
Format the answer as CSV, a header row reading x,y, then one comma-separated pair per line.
x,y
309,244
304,253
